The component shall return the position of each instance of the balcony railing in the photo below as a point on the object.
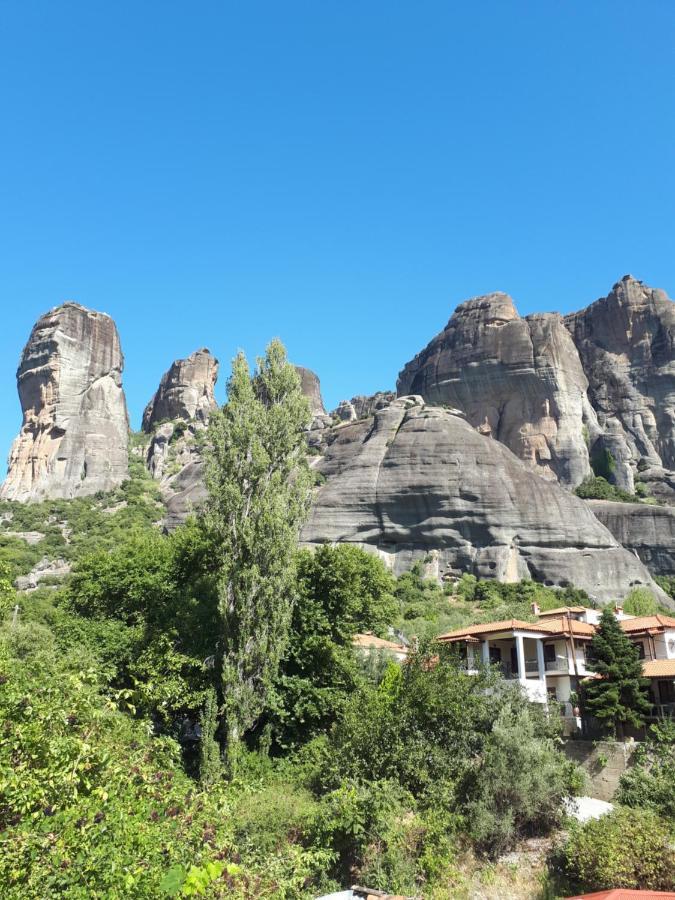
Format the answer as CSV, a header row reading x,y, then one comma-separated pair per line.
x,y
663,711
560,664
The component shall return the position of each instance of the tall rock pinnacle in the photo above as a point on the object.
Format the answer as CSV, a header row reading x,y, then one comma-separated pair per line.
x,y
519,380
185,391
75,432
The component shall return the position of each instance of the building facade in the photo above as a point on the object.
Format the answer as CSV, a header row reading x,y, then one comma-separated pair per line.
x,y
549,657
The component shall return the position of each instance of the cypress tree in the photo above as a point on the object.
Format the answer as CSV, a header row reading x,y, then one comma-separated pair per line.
x,y
619,696
209,751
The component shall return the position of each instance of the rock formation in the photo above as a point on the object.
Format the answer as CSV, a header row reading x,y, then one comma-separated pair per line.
x,y
311,388
626,342
365,406
518,380
75,432
185,392
416,479
345,411
646,529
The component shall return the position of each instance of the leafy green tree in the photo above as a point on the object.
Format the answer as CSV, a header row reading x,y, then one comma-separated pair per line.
x,y
640,602
258,486
7,594
619,695
341,590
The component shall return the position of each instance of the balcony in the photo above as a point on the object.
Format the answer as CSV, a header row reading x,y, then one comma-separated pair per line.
x,y
560,664
510,671
663,711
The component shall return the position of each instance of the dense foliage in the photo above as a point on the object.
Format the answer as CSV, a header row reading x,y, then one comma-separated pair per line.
x,y
630,848
619,695
258,486
120,688
650,782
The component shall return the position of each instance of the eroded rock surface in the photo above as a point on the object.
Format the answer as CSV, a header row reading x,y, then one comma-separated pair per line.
x,y
185,392
311,388
416,479
626,344
365,406
645,529
75,432
518,380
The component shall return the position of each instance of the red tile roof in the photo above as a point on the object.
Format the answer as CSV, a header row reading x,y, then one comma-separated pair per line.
x,y
647,623
624,894
560,609
370,641
659,668
490,627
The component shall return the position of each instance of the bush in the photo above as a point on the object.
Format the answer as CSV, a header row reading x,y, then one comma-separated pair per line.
x,y
650,783
598,488
518,787
629,847
381,839
640,602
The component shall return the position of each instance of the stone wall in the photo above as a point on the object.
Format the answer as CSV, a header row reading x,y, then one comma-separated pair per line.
x,y
604,762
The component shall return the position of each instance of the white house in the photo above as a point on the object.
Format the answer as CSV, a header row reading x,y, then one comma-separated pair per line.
x,y
549,657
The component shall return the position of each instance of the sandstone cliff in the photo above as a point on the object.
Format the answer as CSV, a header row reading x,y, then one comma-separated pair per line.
x,y
518,380
311,388
626,344
75,431
645,529
416,480
186,391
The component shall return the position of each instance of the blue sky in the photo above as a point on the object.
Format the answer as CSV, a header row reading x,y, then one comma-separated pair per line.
x,y
340,173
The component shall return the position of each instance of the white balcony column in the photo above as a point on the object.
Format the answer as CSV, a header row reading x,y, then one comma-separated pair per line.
x,y
520,656
485,648
541,665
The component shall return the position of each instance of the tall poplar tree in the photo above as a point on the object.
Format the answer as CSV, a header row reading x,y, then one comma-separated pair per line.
x,y
619,696
259,487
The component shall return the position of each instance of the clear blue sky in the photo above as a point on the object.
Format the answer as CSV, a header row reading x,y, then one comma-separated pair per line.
x,y
340,173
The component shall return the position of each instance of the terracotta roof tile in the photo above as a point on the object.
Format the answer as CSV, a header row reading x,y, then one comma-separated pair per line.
x,y
563,625
372,642
659,668
643,623
489,627
560,609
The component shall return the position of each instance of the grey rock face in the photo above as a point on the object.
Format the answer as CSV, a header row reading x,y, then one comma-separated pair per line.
x,y
56,569
183,493
646,530
518,380
345,411
365,406
626,342
311,388
185,392
416,479
75,433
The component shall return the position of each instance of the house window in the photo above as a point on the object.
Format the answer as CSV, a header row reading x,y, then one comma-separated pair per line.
x,y
549,653
641,650
666,692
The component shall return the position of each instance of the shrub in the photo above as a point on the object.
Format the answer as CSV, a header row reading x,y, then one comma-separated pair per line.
x,y
640,602
519,785
599,488
629,847
651,782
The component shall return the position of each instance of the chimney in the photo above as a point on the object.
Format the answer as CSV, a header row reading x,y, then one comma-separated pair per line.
x,y
535,608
